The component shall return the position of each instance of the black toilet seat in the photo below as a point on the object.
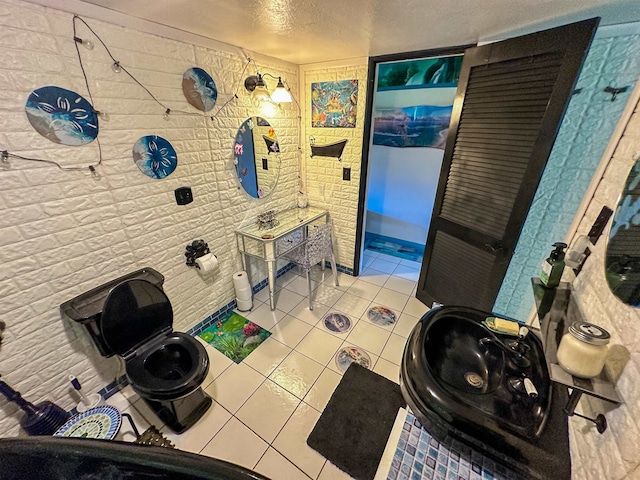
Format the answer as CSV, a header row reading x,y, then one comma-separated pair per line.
x,y
154,386
137,325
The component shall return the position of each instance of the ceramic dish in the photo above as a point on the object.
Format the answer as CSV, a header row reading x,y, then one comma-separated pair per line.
x,y
99,422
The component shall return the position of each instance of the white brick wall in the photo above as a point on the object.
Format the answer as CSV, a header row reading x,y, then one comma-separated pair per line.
x,y
615,454
340,197
62,233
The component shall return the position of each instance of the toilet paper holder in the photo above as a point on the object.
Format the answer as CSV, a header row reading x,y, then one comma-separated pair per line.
x,y
197,249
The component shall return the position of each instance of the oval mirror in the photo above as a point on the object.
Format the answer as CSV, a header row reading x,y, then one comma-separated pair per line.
x,y
622,263
256,154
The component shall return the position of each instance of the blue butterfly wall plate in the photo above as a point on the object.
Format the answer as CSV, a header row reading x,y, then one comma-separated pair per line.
x,y
199,89
62,116
155,156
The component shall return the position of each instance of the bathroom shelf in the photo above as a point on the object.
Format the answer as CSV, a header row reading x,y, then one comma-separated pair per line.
x,y
557,309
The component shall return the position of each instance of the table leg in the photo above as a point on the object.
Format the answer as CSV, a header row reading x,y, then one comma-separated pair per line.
x,y
271,279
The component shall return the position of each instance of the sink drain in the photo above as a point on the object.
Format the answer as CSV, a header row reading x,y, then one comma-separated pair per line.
x,y
474,379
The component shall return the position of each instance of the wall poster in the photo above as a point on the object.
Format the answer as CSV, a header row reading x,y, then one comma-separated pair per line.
x,y
334,104
414,100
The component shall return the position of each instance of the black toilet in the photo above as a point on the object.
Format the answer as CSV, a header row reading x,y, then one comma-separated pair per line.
x,y
132,317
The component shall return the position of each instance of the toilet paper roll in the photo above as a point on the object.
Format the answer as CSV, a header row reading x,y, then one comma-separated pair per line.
x,y
244,293
244,305
240,280
207,263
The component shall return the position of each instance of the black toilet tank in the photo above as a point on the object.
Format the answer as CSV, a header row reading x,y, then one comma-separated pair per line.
x,y
86,308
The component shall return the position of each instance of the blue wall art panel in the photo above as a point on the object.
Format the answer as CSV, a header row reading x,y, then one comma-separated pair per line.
x,y
62,116
334,104
199,89
155,156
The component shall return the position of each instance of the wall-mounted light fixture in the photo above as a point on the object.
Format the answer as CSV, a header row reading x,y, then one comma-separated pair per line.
x,y
259,91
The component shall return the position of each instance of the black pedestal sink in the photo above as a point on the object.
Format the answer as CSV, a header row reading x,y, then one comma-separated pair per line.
x,y
464,382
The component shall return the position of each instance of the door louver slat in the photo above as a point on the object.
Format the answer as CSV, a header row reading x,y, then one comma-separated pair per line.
x,y
485,132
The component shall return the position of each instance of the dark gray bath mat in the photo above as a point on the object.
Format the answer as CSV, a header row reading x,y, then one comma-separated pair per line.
x,y
354,428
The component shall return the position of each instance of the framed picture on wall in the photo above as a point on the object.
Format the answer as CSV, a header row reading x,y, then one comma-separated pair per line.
x,y
334,104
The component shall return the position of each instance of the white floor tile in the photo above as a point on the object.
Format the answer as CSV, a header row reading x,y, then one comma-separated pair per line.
x,y
286,300
415,308
391,299
292,441
388,370
148,413
262,295
267,356
394,349
373,276
371,253
218,363
389,258
369,337
363,289
290,331
234,386
411,263
327,294
302,312
399,284
404,325
127,434
322,390
288,277
319,346
352,305
297,373
275,466
299,285
331,472
344,280
406,272
237,444
197,436
367,260
383,265
267,410
265,317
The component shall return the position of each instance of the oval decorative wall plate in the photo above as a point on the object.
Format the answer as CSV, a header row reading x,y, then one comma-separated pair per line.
x,y
62,116
199,89
155,156
99,422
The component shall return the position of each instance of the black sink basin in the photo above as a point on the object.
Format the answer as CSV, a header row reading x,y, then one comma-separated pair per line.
x,y
460,384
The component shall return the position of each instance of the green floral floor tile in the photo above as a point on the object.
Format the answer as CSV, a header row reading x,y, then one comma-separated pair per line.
x,y
235,336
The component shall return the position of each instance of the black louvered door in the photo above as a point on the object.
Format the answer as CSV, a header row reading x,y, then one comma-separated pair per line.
x,y
510,101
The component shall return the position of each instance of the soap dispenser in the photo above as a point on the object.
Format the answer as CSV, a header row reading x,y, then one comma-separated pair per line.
x,y
553,266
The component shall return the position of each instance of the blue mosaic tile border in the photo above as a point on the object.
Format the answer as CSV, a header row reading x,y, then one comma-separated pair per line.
x,y
419,456
197,329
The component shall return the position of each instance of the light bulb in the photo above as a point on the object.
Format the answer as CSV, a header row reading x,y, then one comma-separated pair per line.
x,y
167,114
116,67
280,94
94,173
4,160
88,44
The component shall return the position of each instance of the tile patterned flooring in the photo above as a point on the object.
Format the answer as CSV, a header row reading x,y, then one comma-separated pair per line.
x,y
265,407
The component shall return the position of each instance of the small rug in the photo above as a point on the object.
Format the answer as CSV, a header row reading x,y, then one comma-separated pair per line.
x,y
235,336
354,428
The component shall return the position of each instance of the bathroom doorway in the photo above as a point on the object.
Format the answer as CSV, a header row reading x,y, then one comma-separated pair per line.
x,y
409,102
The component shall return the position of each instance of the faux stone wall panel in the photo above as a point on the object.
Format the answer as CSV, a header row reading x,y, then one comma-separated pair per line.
x,y
63,233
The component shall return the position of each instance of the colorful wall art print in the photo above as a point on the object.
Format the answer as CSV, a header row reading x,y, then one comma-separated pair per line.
x,y
334,104
199,89
417,126
421,73
155,156
62,116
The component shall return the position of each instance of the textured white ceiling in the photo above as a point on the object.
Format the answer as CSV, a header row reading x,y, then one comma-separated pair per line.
x,y
309,31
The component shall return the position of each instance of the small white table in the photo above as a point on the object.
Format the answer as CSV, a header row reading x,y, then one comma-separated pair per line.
x,y
270,244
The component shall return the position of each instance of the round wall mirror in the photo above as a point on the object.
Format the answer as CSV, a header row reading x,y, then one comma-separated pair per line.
x,y
257,159
622,263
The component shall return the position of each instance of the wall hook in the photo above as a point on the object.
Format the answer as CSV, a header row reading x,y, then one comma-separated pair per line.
x,y
615,91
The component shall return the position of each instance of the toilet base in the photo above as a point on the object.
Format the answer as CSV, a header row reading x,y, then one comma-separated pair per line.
x,y
183,412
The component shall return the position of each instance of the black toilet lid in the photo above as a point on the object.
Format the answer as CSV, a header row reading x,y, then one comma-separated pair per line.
x,y
134,311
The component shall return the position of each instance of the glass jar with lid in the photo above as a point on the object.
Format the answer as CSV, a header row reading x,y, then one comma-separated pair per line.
x,y
583,349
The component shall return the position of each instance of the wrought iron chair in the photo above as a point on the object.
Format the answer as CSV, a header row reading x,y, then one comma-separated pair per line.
x,y
318,246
